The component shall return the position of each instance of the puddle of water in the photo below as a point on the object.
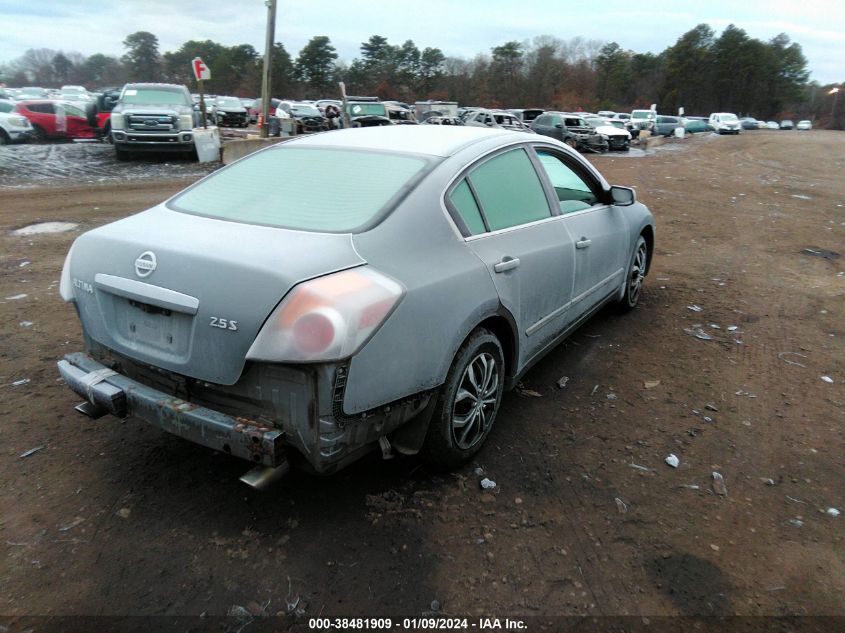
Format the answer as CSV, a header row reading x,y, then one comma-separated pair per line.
x,y
633,152
45,227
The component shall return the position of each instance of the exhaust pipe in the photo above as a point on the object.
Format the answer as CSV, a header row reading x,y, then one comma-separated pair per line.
x,y
262,477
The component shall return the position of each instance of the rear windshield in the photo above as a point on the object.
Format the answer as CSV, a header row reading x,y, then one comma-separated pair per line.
x,y
324,190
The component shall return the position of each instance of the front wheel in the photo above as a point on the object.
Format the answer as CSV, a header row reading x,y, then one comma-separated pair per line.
x,y
636,275
468,402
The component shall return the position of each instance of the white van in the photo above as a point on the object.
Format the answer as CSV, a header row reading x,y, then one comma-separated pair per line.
x,y
725,123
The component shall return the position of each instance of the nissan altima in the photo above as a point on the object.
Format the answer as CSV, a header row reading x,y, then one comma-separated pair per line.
x,y
356,290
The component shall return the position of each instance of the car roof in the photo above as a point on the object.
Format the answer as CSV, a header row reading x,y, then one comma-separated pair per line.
x,y
432,140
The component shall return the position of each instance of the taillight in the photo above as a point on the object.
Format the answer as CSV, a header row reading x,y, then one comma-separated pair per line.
x,y
328,318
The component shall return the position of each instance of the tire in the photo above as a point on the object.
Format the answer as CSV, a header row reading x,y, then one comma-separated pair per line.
x,y
634,276
38,134
572,143
4,138
458,425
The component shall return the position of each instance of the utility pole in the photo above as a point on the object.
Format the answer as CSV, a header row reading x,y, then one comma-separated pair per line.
x,y
268,58
835,93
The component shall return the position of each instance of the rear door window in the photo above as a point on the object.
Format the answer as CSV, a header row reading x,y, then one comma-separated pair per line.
x,y
467,208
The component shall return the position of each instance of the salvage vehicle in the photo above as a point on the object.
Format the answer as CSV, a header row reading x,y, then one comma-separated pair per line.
x,y
526,115
724,123
425,109
367,112
443,120
772,125
52,119
642,119
315,322
399,114
308,118
749,123
256,109
618,138
804,125
570,129
696,126
31,92
75,93
14,127
229,111
665,125
154,117
787,124
495,119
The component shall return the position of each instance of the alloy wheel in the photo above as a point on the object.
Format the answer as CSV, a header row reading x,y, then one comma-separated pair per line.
x,y
635,281
475,401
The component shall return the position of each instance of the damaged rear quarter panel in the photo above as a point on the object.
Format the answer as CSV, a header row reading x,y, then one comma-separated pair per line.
x,y
448,292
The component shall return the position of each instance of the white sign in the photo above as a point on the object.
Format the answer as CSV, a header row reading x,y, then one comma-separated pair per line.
x,y
201,71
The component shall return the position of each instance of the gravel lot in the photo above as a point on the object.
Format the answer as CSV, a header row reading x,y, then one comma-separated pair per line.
x,y
113,517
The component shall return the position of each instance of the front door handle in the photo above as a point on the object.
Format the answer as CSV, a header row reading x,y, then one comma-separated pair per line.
x,y
583,243
507,263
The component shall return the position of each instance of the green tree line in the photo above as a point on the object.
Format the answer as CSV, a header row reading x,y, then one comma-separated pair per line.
x,y
701,72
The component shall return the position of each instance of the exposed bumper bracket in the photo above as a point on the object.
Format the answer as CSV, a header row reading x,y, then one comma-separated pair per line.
x,y
108,391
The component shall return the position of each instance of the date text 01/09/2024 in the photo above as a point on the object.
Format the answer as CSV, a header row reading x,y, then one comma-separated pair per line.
x,y
416,624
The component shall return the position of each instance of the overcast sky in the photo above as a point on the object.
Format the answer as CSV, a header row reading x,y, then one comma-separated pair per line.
x,y
458,28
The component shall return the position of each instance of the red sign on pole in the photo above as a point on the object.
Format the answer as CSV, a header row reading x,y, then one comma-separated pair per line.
x,y
201,71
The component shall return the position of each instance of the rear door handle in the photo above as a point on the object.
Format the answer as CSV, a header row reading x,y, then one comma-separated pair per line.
x,y
583,243
507,263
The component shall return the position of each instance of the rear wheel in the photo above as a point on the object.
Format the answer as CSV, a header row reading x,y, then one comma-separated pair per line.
x,y
468,402
635,276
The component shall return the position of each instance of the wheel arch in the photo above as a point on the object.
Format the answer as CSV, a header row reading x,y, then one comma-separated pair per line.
x,y
503,327
648,234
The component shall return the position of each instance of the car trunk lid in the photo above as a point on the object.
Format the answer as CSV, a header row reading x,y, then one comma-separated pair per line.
x,y
189,294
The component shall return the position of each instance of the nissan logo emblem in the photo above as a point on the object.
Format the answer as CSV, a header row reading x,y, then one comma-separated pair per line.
x,y
145,264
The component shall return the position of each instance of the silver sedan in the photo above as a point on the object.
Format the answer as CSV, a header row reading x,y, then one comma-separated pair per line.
x,y
357,289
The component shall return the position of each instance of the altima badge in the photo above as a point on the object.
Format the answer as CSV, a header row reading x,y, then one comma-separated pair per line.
x,y
145,264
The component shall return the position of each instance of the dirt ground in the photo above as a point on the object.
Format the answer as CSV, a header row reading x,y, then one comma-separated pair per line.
x,y
115,517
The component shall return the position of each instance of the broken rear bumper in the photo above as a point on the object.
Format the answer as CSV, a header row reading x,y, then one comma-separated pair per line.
x,y
122,397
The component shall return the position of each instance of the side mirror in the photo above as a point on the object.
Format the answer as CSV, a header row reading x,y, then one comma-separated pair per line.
x,y
623,196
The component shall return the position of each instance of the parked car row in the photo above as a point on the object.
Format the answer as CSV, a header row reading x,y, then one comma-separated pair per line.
x,y
78,114
43,119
